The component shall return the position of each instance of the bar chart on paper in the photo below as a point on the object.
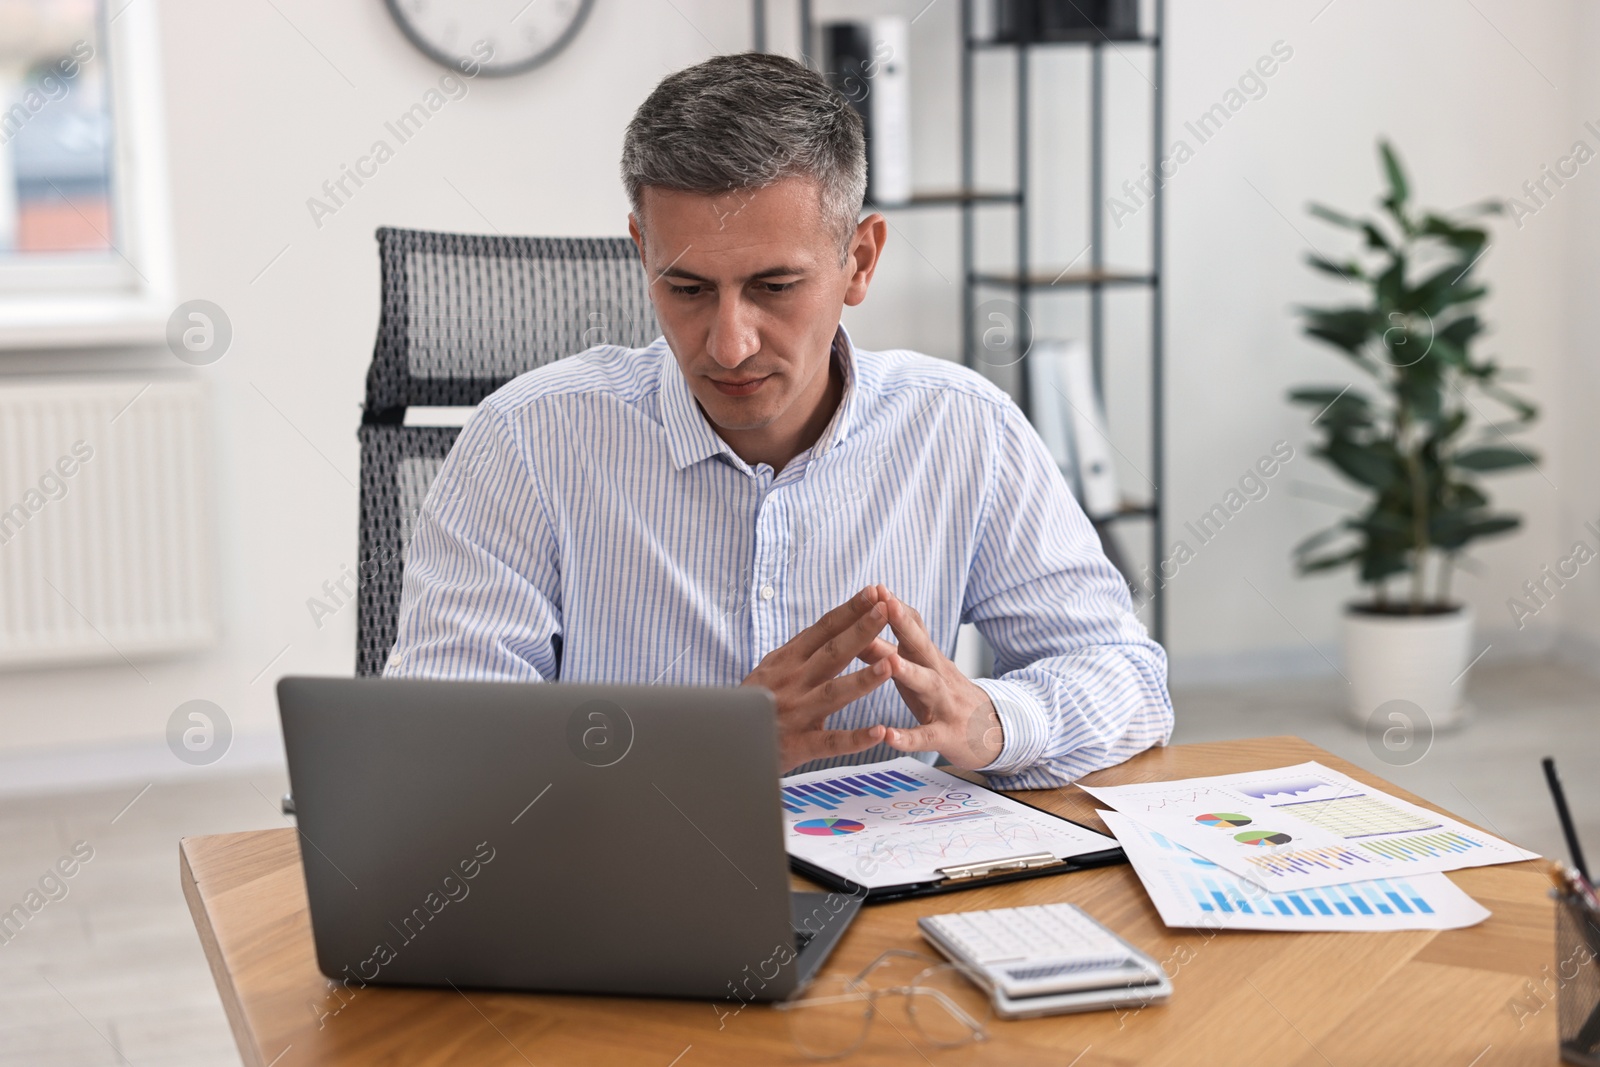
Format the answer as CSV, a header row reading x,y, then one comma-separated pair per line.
x,y
901,822
831,794
1305,827
1189,890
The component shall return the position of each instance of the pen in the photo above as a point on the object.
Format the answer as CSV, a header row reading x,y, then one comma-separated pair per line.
x,y
1565,815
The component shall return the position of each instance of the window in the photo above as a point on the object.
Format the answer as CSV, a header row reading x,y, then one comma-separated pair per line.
x,y
84,243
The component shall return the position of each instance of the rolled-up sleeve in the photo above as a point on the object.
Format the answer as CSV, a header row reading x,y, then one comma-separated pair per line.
x,y
1079,685
482,574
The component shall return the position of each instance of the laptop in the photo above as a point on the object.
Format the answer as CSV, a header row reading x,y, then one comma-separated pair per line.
x,y
549,837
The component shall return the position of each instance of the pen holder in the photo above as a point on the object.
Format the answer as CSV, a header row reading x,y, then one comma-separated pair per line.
x,y
1578,978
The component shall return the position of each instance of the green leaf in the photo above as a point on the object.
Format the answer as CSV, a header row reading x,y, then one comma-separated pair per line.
x,y
1328,563
1467,496
1342,408
1372,465
1376,566
1320,538
1385,524
1493,525
1447,352
1439,292
1399,189
1391,284
1459,295
1327,214
1460,237
1452,530
1350,271
1418,389
1526,411
1375,238
1494,458
1321,396
1346,328
1460,331
1447,428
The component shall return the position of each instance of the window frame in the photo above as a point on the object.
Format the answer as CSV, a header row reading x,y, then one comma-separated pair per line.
x,y
63,300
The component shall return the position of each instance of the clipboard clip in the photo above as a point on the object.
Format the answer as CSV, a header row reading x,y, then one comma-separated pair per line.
x,y
959,871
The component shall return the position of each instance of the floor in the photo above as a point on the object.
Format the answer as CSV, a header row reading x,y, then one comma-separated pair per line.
x,y
111,972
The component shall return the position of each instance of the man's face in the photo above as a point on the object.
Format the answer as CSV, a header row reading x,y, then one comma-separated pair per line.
x,y
748,287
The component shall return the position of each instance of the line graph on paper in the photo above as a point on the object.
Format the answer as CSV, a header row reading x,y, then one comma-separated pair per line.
x,y
1170,800
978,836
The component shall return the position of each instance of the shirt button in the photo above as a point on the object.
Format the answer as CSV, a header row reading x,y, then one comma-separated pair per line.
x,y
767,592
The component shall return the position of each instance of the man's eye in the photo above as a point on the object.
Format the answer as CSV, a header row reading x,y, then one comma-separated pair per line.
x,y
777,287
685,290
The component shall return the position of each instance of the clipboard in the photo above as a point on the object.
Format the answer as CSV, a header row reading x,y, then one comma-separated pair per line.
x,y
910,824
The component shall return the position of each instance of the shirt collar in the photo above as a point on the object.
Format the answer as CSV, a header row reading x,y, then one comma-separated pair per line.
x,y
690,438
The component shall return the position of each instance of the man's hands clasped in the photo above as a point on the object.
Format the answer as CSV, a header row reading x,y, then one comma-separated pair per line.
x,y
956,718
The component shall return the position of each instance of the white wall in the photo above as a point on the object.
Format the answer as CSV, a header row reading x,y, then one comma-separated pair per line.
x,y
1580,382
258,123
1474,115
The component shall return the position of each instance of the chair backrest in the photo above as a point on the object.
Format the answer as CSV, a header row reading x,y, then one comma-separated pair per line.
x,y
462,315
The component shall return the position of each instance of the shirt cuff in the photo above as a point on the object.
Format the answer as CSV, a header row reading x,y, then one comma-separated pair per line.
x,y
1024,726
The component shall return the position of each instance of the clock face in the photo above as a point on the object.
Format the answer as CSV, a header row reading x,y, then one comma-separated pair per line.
x,y
499,37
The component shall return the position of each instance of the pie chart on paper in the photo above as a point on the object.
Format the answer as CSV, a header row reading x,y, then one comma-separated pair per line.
x,y
1222,819
828,827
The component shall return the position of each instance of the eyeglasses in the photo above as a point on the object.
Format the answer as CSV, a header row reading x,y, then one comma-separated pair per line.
x,y
945,1009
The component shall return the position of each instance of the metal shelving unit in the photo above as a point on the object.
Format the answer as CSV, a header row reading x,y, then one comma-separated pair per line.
x,y
1028,279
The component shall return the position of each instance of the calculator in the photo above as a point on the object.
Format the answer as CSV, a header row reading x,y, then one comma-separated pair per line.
x,y
1045,959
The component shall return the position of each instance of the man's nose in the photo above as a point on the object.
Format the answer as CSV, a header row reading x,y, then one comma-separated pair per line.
x,y
733,337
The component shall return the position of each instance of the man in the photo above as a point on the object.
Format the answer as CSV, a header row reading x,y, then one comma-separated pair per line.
x,y
752,499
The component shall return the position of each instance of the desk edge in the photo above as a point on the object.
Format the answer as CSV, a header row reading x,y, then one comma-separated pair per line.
x,y
243,1037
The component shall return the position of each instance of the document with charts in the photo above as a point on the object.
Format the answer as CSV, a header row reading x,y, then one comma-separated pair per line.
x,y
901,821
1305,826
1191,891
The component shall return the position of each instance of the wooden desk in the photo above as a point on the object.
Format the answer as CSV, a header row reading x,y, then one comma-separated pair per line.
x,y
1240,998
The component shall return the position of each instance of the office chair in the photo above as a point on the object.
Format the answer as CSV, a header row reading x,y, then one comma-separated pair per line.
x,y
462,315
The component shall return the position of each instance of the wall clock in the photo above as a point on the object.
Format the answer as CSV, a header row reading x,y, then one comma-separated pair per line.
x,y
519,34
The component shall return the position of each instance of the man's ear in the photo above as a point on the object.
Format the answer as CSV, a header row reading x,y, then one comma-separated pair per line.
x,y
862,260
638,236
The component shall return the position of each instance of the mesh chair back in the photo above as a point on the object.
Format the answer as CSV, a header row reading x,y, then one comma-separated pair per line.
x,y
462,315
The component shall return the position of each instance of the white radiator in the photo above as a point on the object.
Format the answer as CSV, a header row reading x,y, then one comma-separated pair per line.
x,y
105,522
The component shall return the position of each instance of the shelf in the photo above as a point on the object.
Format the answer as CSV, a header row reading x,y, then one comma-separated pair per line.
x,y
1130,510
1072,279
948,198
1090,37
989,275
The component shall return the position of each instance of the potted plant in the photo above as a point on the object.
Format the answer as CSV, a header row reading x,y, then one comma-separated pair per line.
x,y
1414,445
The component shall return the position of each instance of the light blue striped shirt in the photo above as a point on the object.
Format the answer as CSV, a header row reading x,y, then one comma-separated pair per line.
x,y
591,526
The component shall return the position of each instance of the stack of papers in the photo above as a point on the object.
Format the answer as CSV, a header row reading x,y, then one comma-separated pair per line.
x,y
903,822
1297,848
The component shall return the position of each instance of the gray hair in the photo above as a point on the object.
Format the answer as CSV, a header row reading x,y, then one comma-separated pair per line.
x,y
746,121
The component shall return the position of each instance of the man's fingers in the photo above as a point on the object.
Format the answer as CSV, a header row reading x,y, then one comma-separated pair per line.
x,y
879,649
915,739
912,635
844,742
835,622
835,693
833,654
920,680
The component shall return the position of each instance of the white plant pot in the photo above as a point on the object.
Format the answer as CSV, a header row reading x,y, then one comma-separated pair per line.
x,y
1417,658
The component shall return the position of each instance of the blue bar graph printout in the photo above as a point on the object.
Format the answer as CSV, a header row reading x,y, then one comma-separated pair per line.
x,y
1216,892
830,794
